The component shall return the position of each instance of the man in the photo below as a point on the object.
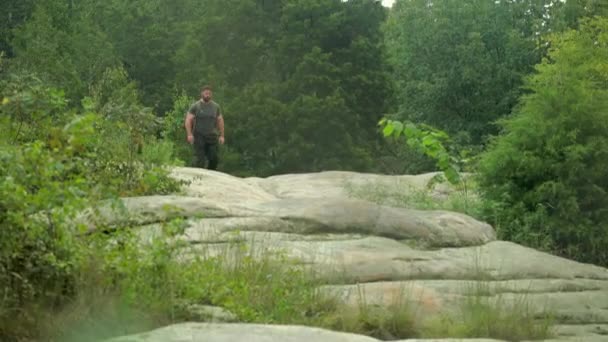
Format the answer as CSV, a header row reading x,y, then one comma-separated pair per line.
x,y
205,128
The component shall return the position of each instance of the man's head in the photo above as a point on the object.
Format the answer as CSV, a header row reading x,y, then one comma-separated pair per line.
x,y
206,93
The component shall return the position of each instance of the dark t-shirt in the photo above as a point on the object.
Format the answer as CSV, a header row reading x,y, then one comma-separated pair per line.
x,y
205,118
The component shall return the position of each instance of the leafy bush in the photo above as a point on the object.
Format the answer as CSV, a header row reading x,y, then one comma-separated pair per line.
x,y
173,129
56,162
545,175
41,190
429,141
127,153
30,107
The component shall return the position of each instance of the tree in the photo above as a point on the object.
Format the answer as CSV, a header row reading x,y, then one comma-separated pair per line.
x,y
14,13
545,173
67,50
458,65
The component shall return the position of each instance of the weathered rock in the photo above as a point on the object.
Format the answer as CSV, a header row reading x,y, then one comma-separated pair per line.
x,y
434,259
208,313
216,332
208,332
583,332
213,195
451,340
340,184
437,281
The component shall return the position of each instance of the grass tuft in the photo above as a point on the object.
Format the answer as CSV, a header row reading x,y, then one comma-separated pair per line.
x,y
128,288
395,321
462,199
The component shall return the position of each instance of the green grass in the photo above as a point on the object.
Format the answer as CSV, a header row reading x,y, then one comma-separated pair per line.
x,y
395,321
127,288
139,288
484,314
461,198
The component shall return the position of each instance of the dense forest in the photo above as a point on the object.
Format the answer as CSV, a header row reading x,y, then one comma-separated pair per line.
x,y
93,96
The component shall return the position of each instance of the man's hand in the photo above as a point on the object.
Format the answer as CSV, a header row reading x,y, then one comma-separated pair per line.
x,y
221,139
190,139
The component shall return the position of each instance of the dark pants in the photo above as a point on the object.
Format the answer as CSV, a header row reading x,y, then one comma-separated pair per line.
x,y
205,150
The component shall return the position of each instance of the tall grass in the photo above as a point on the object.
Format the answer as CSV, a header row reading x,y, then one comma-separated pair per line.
x,y
483,313
130,287
462,198
395,321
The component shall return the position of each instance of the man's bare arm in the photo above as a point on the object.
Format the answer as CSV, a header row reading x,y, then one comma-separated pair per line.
x,y
189,123
220,125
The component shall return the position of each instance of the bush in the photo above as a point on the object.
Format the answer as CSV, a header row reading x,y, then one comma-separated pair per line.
x,y
56,163
545,176
173,129
41,190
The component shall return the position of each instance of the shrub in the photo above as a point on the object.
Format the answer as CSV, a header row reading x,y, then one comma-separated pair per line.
x,y
41,190
51,169
544,176
173,129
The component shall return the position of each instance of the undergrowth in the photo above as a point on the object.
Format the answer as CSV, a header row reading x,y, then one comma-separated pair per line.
x,y
436,195
132,288
486,313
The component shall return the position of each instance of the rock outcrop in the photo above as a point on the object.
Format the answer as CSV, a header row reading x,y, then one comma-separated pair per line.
x,y
208,332
433,257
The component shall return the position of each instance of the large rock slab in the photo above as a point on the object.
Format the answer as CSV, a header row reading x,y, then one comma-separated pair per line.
x,y
213,195
240,332
383,271
211,332
435,259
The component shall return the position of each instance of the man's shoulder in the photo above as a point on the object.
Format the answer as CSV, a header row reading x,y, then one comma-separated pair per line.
x,y
195,104
216,106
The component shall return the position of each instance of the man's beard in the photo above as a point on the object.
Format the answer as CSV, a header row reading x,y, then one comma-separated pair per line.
x,y
206,98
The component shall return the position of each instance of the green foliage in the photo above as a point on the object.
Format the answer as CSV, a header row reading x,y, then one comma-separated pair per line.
x,y
290,78
544,175
159,152
14,13
427,140
153,287
306,58
174,131
41,190
66,52
140,285
317,142
258,154
459,66
394,321
482,315
257,287
124,137
452,71
303,84
30,107
436,195
54,164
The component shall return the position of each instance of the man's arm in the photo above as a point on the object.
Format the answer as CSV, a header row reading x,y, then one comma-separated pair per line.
x,y
189,123
220,125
